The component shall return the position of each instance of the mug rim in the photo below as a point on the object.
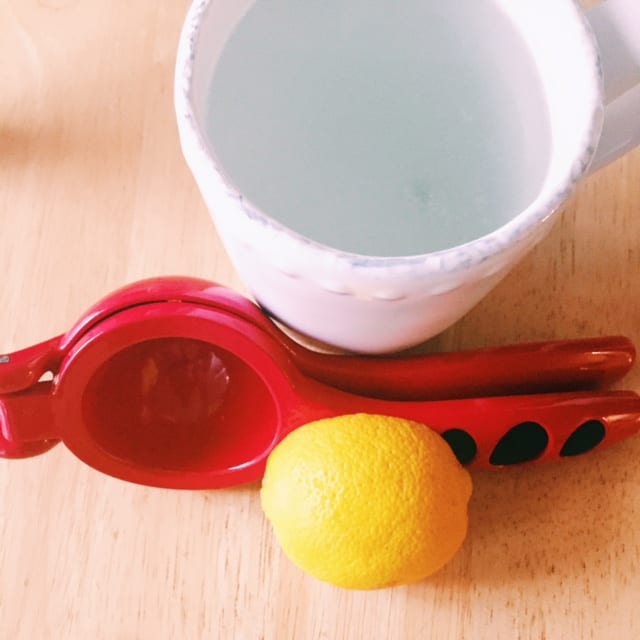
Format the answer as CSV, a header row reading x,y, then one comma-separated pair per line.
x,y
198,153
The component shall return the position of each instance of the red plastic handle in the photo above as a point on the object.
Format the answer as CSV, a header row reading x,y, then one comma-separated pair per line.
x,y
26,422
540,367
501,430
24,368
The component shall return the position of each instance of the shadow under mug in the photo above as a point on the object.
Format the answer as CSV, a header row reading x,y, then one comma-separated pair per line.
x,y
376,304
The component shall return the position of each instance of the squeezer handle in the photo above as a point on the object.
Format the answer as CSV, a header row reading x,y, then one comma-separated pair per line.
x,y
22,369
25,420
543,367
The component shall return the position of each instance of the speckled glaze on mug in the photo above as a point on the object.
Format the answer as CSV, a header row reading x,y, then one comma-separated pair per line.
x,y
382,304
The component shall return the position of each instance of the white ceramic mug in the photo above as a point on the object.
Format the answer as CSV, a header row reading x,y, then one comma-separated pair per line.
x,y
589,66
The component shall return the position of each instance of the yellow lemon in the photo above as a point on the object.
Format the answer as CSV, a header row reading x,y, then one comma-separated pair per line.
x,y
366,501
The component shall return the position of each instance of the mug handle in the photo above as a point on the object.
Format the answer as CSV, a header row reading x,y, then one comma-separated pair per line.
x,y
26,422
616,24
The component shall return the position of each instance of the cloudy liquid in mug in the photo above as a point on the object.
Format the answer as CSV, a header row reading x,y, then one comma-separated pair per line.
x,y
385,128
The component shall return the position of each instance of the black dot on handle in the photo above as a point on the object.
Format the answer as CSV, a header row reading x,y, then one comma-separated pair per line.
x,y
523,443
585,438
463,445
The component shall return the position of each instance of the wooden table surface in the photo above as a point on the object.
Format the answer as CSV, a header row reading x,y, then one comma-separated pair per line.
x,y
94,193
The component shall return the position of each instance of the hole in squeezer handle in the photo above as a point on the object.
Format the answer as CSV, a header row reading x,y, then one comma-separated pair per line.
x,y
525,442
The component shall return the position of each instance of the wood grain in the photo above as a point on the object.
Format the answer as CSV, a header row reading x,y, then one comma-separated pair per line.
x,y
94,193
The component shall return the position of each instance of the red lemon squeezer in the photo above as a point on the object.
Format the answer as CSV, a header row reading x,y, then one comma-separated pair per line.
x,y
183,383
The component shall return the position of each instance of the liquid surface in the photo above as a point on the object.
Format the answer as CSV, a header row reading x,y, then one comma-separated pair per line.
x,y
380,128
